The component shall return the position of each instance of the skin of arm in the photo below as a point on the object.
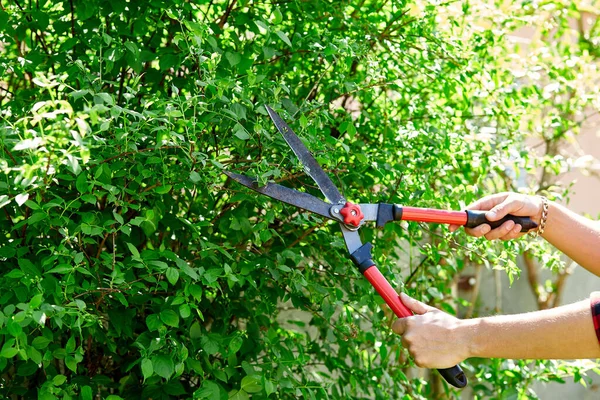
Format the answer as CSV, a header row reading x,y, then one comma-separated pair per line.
x,y
438,340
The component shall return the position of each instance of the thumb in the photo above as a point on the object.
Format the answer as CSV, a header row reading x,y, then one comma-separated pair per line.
x,y
415,305
399,326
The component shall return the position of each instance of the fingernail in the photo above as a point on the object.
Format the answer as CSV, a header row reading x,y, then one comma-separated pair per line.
x,y
491,214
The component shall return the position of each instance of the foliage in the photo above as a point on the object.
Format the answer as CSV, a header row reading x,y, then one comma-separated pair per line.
x,y
133,269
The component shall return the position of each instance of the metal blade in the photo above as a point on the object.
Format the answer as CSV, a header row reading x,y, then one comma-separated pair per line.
x,y
299,199
311,166
352,239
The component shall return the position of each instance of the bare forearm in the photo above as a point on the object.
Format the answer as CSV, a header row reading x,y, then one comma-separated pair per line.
x,y
565,332
576,236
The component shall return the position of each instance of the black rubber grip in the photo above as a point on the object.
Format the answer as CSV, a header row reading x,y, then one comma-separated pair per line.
x,y
454,376
476,218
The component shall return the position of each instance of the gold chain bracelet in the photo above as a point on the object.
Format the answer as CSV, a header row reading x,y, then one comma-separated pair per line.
x,y
545,207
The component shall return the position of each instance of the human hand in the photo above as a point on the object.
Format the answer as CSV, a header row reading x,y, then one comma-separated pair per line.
x,y
433,338
498,206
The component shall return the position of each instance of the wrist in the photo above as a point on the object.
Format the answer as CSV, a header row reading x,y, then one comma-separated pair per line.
x,y
541,217
470,333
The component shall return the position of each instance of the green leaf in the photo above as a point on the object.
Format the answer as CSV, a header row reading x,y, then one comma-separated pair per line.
x,y
34,355
8,352
238,395
235,344
186,269
40,342
4,200
278,17
242,134
284,37
15,274
233,58
59,380
195,331
81,183
163,365
184,311
169,317
209,343
251,384
14,328
71,363
196,292
172,275
261,25
209,390
164,189
86,393
269,387
134,251
147,368
61,269
36,301
27,368
153,322
104,98
132,47
118,218
174,389
70,346
89,198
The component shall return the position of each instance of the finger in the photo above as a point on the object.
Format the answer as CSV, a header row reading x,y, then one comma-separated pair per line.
x,y
415,305
399,326
501,231
513,234
479,231
488,202
511,205
453,227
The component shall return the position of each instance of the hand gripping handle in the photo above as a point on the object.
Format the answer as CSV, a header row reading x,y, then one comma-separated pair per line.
x,y
476,218
453,375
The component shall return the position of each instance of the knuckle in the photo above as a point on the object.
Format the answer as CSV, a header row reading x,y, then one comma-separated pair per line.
x,y
419,361
507,227
470,232
406,344
517,228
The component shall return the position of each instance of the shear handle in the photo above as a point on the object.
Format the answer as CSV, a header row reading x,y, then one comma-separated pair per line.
x,y
468,218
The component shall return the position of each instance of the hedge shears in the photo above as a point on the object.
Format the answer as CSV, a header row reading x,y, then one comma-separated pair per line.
x,y
351,217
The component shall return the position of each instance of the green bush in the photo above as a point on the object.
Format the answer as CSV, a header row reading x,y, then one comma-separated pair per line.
x,y
132,268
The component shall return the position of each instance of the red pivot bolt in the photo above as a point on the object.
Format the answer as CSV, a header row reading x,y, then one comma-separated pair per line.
x,y
352,214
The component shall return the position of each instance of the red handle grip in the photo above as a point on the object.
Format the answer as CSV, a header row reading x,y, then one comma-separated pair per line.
x,y
386,291
432,215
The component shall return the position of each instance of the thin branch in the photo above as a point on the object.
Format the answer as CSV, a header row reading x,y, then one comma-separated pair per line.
x,y
226,14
